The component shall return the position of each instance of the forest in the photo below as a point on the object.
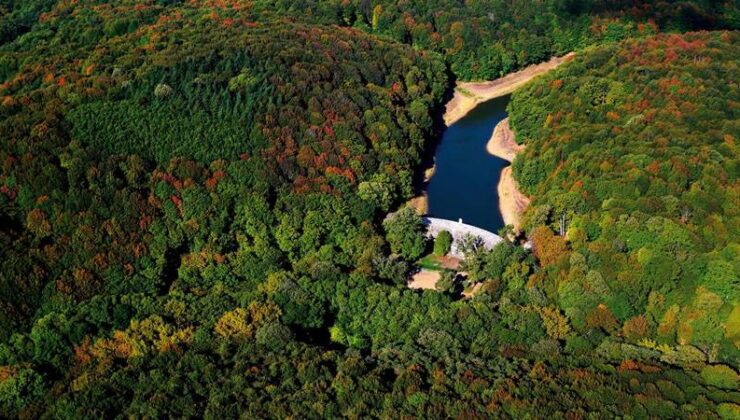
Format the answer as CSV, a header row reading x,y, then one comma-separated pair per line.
x,y
634,146
193,201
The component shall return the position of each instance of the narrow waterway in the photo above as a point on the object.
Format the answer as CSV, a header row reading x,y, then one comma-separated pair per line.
x,y
466,176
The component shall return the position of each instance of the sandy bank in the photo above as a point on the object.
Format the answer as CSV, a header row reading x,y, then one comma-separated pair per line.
x,y
502,143
469,94
421,201
510,200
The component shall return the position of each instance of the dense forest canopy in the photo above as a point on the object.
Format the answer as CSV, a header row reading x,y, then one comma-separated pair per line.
x,y
487,39
635,146
193,194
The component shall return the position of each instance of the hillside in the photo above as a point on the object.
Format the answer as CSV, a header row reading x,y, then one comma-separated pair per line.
x,y
635,146
193,201
484,40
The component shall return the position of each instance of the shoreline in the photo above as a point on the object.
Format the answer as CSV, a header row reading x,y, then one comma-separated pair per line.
x,y
512,203
502,143
469,94
420,202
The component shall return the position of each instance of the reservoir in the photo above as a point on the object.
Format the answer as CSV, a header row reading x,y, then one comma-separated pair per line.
x,y
466,175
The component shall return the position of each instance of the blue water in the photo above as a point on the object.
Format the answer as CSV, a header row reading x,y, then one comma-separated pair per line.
x,y
466,176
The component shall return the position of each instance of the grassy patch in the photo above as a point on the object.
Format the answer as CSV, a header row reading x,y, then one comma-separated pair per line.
x,y
432,262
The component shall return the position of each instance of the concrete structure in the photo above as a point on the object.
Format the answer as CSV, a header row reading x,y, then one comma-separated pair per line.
x,y
459,230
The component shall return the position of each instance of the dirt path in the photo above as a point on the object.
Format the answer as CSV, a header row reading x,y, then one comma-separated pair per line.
x,y
469,94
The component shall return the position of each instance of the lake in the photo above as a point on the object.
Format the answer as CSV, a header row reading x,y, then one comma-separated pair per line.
x,y
466,176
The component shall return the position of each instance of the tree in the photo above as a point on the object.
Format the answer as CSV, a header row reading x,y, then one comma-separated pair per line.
x,y
378,191
391,268
273,335
548,247
442,243
635,328
498,259
446,282
405,233
377,12
234,324
601,317
555,323
162,90
470,244
38,223
721,376
19,388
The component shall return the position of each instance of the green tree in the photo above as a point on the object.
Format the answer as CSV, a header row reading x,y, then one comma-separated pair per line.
x,y
442,243
721,376
19,388
379,191
406,233
446,282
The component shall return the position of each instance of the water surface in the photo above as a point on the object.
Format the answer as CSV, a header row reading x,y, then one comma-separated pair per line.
x,y
466,176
